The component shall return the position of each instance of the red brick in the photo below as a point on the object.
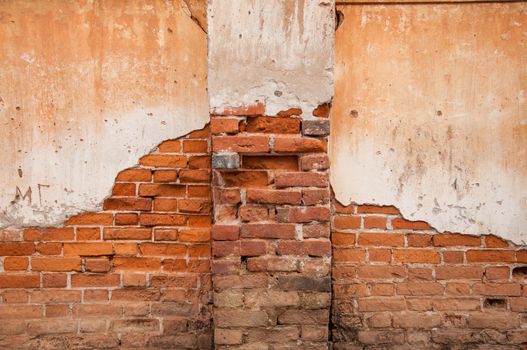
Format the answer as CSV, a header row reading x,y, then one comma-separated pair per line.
x,y
87,280
306,247
162,190
420,288
164,161
170,146
49,248
343,239
16,249
198,191
224,125
497,289
97,264
194,235
87,249
194,176
15,263
253,213
135,175
492,241
195,146
382,304
347,222
129,233
225,248
299,145
199,251
162,219
245,179
315,196
143,204
416,256
303,214
322,111
199,221
16,296
460,272
202,206
419,240
241,144
379,255
165,204
88,233
402,224
490,256
199,162
253,248
49,234
226,232
227,196
123,189
497,273
375,222
453,239
279,231
126,248
54,280
166,234
165,175
274,197
349,255
381,239
315,230
374,209
454,257
341,209
56,264
87,219
270,162
136,264
19,281
274,125
314,162
163,249
126,219
381,272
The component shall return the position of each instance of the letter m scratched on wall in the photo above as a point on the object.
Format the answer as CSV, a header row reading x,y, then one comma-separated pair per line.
x,y
19,196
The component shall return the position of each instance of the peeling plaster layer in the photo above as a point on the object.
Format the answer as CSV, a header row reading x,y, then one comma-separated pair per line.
x,y
86,88
430,114
279,52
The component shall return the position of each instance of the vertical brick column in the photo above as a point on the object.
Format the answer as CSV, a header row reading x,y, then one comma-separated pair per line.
x,y
270,238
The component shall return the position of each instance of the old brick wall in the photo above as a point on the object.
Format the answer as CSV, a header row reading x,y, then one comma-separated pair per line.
x,y
271,248
135,275
400,284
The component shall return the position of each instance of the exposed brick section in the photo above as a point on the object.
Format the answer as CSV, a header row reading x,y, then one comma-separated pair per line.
x,y
136,275
271,248
399,284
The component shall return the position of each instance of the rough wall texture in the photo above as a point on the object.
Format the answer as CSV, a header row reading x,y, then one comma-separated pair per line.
x,y
86,88
279,52
399,284
271,249
135,275
431,120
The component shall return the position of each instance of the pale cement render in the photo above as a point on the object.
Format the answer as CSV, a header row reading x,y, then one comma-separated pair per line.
x,y
87,88
430,114
279,52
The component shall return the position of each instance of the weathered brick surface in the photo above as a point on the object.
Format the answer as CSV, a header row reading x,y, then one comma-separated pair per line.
x,y
136,275
271,254
399,284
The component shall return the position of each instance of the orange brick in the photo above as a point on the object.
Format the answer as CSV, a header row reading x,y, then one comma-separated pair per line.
x,y
19,281
128,233
241,144
199,162
166,234
245,178
125,219
402,224
135,175
162,190
164,161
136,264
165,176
379,255
343,239
199,191
454,239
49,234
15,263
490,256
196,206
49,248
299,145
98,264
54,280
87,219
163,249
381,239
375,222
195,146
87,280
162,220
273,125
347,222
88,233
416,256
194,235
419,240
16,248
123,189
56,264
142,204
270,162
199,221
374,209
492,241
126,248
224,125
87,249
349,255
454,257
170,146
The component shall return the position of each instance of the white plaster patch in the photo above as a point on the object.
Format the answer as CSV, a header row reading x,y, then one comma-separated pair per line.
x,y
274,51
433,121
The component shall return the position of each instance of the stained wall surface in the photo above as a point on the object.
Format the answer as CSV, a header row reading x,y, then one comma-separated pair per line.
x,y
86,88
430,114
279,52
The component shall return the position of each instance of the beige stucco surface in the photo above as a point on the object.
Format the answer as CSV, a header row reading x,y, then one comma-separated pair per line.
x,y
275,51
86,88
430,114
